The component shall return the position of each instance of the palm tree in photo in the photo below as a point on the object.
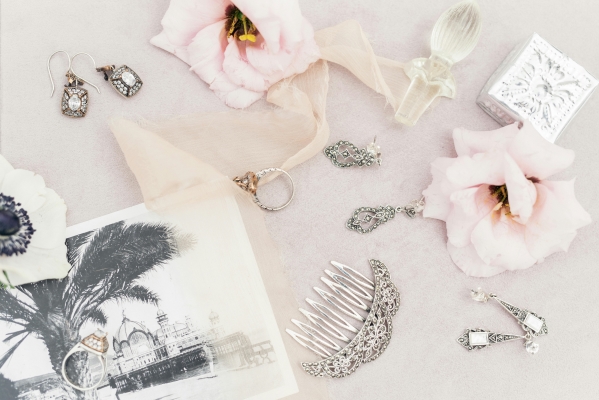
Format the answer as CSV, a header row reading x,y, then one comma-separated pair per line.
x,y
107,265
7,389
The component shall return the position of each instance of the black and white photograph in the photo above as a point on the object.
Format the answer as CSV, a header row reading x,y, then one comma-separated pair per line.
x,y
178,326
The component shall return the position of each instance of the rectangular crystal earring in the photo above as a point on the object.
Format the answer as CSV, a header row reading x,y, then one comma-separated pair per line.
x,y
123,79
74,98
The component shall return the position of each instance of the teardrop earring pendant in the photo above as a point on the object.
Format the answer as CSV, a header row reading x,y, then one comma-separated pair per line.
x,y
123,79
532,324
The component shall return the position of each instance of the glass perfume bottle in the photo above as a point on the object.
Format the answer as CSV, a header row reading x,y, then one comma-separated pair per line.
x,y
454,36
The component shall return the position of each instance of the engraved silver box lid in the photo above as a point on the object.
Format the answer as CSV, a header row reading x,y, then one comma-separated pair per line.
x,y
538,83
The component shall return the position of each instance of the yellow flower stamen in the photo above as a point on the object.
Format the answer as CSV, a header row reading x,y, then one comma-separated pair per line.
x,y
239,26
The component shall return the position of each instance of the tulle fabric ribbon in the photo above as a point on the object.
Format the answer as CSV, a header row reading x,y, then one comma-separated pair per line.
x,y
182,161
238,141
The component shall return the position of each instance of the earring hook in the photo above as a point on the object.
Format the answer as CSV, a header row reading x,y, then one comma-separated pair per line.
x,y
77,76
50,73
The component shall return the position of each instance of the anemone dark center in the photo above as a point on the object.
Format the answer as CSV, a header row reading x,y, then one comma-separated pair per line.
x,y
9,223
239,26
16,229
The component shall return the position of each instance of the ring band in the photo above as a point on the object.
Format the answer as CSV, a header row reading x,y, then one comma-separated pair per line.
x,y
95,344
249,183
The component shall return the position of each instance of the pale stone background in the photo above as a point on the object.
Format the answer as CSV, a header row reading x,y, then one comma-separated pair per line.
x,y
82,161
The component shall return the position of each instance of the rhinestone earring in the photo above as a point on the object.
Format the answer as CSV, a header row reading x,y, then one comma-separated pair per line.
x,y
123,79
74,100
531,323
344,154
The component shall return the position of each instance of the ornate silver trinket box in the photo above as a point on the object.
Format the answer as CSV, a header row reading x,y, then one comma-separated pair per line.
x,y
538,83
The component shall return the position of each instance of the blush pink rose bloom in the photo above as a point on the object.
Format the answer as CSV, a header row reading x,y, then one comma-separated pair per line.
x,y
239,69
500,211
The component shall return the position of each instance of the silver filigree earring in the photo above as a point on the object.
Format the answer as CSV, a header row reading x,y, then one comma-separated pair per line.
x,y
74,101
367,219
123,79
532,324
344,154
371,303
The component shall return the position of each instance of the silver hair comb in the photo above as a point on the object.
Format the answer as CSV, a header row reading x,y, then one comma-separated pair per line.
x,y
370,303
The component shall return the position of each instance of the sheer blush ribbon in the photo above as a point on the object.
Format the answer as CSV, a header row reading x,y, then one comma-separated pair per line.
x,y
238,141
190,158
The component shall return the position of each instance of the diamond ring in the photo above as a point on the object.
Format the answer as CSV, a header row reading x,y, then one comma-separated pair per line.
x,y
95,344
249,183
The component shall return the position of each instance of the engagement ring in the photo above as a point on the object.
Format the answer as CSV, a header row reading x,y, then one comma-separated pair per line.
x,y
95,344
249,183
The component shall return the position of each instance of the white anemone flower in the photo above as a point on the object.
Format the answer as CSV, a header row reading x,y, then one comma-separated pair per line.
x,y
32,229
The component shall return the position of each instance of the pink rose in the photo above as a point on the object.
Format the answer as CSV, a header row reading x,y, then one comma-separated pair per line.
x,y
240,47
501,212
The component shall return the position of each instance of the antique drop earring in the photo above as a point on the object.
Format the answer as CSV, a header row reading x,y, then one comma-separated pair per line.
x,y
123,79
532,324
344,154
74,100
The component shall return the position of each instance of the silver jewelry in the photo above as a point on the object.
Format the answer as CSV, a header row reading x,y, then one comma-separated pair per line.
x,y
249,183
367,219
532,324
353,293
74,102
123,79
344,154
95,344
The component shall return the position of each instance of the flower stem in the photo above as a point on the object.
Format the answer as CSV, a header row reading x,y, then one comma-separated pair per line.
x,y
6,285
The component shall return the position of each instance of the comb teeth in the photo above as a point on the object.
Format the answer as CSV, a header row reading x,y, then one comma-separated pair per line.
x,y
352,295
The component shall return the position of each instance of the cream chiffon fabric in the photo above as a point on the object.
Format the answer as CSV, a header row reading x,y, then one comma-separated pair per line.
x,y
193,157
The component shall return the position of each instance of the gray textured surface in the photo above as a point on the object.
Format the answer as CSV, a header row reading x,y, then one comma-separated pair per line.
x,y
81,160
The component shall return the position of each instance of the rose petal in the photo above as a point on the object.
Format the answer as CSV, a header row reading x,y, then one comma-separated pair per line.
x,y
437,194
556,217
536,156
279,22
522,193
468,261
49,222
161,41
185,18
564,192
481,168
277,66
469,143
470,207
206,51
233,95
26,187
240,71
36,265
499,241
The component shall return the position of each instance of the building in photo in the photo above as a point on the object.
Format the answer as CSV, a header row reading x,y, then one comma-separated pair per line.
x,y
144,357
